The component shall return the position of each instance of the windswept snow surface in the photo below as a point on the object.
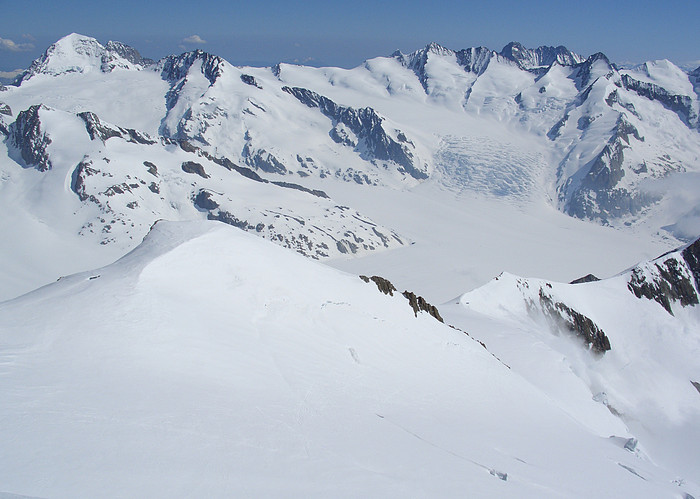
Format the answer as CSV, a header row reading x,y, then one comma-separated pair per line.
x,y
646,378
209,362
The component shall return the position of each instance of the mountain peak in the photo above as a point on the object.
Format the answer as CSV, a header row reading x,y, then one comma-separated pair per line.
x,y
436,48
76,53
542,56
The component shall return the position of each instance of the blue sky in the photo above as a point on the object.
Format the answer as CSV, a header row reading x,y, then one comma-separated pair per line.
x,y
345,33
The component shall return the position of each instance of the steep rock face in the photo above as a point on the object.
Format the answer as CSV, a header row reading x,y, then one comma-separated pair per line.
x,y
128,53
79,54
475,59
674,277
28,137
543,56
416,61
679,104
176,67
695,80
597,196
367,126
592,68
417,303
541,301
98,130
561,316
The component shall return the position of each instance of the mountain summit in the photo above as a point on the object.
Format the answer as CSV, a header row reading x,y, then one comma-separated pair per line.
x,y
76,53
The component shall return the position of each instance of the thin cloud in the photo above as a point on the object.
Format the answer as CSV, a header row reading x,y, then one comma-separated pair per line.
x,y
28,36
194,39
11,46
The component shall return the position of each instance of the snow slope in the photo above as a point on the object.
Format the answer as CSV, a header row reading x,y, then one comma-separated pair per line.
x,y
210,362
651,319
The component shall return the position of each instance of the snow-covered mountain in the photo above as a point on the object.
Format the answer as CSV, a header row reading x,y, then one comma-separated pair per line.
x,y
641,326
121,141
437,170
208,361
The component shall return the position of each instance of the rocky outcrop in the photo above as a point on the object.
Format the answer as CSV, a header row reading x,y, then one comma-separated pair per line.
x,y
597,195
128,53
28,137
250,80
102,131
263,160
314,192
420,304
417,303
204,201
366,125
175,67
543,56
584,279
416,61
384,285
669,279
5,109
475,59
584,74
194,168
682,105
563,317
79,180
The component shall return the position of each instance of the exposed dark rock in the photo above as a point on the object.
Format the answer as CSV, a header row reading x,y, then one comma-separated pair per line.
x,y
583,75
78,184
152,169
682,105
5,109
597,195
263,160
153,187
95,128
418,304
129,53
230,219
188,146
204,201
341,136
696,385
366,124
417,60
225,162
194,167
691,255
530,59
667,282
26,134
586,278
314,192
475,59
555,131
250,80
564,317
384,285
175,67
98,130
